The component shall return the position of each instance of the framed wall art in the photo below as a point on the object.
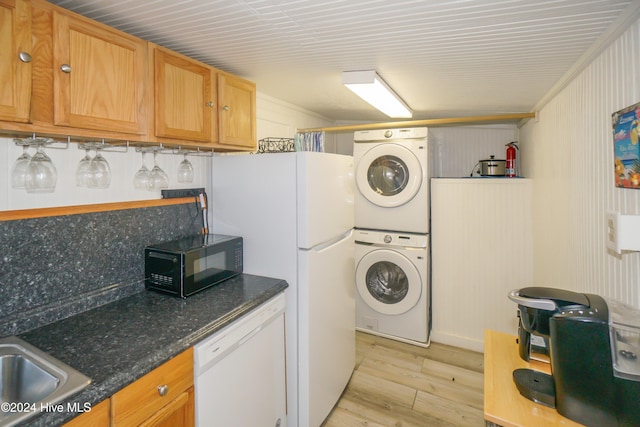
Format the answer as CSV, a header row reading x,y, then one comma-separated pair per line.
x,y
625,146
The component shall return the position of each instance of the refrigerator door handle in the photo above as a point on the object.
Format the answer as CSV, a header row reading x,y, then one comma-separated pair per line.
x,y
324,245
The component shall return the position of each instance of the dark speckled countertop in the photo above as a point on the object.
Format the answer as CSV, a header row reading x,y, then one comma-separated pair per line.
x,y
117,343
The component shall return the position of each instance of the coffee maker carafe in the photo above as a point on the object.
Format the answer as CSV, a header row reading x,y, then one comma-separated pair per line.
x,y
594,353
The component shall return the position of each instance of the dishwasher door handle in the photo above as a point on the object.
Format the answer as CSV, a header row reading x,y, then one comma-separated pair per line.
x,y
210,351
249,335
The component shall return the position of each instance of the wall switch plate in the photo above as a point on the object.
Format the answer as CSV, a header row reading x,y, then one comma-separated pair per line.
x,y
623,232
613,240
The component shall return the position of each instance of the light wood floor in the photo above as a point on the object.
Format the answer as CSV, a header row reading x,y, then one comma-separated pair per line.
x,y
397,384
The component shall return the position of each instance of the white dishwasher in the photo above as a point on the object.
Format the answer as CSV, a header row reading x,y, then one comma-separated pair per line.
x,y
239,371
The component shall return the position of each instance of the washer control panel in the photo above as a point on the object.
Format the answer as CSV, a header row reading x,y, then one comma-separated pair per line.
x,y
391,238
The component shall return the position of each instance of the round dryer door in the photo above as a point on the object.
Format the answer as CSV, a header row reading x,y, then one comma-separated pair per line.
x,y
388,175
388,282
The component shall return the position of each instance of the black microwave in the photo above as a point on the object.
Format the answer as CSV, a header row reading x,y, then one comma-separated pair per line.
x,y
188,265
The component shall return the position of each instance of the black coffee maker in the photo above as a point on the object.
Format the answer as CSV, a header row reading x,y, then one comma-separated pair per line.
x,y
594,348
536,305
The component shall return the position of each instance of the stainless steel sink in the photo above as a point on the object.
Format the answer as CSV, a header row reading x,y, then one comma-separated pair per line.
x,y
31,380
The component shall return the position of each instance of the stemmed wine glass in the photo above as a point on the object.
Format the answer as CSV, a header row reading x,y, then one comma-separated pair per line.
x,y
19,169
158,178
99,172
142,177
83,174
41,174
185,170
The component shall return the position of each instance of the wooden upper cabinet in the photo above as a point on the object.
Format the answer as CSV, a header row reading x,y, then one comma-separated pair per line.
x,y
89,80
99,76
15,60
185,97
195,102
237,109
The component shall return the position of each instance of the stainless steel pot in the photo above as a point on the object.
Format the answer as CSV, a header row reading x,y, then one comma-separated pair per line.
x,y
492,167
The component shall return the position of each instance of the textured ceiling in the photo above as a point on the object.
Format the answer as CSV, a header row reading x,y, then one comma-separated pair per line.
x,y
444,57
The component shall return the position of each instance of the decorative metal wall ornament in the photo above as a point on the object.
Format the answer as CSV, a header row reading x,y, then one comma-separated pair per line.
x,y
276,145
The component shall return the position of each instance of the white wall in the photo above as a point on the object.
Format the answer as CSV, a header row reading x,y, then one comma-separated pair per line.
x,y
569,155
279,119
456,151
482,248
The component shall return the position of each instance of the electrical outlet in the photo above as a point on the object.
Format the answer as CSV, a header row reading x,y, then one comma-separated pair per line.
x,y
613,240
623,232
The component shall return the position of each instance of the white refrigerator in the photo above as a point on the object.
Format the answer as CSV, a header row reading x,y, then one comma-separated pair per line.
x,y
295,213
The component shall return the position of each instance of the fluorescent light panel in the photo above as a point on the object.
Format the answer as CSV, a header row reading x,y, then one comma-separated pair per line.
x,y
369,86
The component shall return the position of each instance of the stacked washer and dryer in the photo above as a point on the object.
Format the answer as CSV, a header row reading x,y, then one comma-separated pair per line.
x,y
392,233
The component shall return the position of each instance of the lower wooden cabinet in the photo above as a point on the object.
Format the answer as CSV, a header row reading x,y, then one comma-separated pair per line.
x,y
160,398
97,417
179,412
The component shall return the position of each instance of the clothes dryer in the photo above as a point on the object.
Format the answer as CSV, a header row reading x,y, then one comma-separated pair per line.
x,y
392,282
392,180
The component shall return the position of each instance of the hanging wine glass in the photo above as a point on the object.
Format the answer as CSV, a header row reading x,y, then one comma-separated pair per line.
x,y
185,170
158,178
41,174
19,169
142,177
99,172
83,173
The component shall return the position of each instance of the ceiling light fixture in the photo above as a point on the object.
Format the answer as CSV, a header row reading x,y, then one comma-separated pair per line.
x,y
369,86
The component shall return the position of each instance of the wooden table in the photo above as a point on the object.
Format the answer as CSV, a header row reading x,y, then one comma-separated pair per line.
x,y
503,403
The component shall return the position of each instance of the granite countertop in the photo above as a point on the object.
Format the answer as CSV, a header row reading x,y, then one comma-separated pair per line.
x,y
119,342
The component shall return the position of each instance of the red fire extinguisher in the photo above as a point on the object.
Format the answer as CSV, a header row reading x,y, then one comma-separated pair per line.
x,y
511,159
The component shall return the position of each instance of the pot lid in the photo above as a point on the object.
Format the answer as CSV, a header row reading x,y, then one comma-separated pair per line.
x,y
492,159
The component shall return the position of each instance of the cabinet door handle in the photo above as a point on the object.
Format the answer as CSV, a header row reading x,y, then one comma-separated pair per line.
x,y
163,390
65,68
225,108
210,104
24,57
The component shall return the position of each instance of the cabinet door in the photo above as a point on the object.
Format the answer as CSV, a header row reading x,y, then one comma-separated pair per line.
x,y
15,73
97,417
179,412
99,76
146,398
184,98
237,102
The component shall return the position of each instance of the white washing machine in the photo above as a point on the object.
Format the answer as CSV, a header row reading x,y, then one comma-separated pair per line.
x,y
392,178
392,282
